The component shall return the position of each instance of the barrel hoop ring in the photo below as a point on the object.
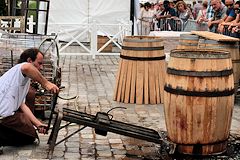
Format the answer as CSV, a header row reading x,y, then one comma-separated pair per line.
x,y
200,73
198,93
142,48
142,58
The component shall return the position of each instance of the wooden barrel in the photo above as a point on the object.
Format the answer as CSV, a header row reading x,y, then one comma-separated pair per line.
x,y
199,100
233,48
188,41
141,72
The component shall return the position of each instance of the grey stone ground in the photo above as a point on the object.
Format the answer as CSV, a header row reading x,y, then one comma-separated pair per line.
x,y
93,81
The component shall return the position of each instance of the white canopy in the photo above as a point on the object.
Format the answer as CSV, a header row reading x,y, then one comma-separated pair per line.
x,y
70,15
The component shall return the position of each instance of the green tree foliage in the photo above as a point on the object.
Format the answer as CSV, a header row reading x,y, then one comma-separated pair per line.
x,y
3,8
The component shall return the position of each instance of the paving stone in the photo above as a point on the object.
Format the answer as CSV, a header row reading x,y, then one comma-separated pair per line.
x,y
71,155
116,141
93,81
104,153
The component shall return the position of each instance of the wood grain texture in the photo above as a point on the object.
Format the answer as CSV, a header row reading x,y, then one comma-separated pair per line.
x,y
199,124
215,36
141,81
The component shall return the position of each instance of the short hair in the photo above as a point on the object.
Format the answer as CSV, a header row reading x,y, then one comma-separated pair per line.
x,y
29,53
217,1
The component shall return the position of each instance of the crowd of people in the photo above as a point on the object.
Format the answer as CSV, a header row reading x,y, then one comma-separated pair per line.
x,y
220,16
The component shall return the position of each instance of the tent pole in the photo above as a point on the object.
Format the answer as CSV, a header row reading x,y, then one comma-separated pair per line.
x,y
132,15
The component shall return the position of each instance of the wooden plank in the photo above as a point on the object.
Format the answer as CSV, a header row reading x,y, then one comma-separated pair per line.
x,y
128,82
124,74
10,23
157,80
139,82
133,82
146,83
117,81
152,90
215,36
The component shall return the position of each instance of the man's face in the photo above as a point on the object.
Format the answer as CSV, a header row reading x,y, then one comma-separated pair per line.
x,y
216,5
229,3
161,6
38,63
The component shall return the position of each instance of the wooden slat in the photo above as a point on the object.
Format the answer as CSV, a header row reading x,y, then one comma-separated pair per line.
x,y
215,36
128,83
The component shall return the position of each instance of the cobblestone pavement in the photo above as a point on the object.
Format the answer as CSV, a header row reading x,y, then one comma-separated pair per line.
x,y
93,82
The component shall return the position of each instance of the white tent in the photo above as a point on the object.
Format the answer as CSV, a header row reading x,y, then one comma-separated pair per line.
x,y
74,15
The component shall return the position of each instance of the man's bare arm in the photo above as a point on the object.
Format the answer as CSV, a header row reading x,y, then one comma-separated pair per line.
x,y
32,72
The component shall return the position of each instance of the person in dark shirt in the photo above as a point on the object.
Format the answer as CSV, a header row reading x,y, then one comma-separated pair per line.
x,y
230,15
168,12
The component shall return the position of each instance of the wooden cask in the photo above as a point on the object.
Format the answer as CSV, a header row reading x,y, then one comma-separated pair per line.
x,y
141,71
199,100
188,41
233,48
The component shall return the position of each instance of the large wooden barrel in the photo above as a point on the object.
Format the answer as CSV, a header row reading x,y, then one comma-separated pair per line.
x,y
233,48
198,100
188,41
141,72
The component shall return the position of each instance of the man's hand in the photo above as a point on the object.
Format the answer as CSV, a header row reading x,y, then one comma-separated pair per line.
x,y
209,24
51,87
42,128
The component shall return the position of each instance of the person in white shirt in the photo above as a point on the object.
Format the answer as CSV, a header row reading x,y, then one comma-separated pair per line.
x,y
17,123
146,19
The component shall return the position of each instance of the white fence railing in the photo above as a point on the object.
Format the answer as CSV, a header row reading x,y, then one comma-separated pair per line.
x,y
90,32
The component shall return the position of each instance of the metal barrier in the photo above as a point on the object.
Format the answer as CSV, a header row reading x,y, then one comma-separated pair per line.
x,y
228,32
192,25
173,24
169,24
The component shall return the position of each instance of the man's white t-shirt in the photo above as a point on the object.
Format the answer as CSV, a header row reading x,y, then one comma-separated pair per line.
x,y
13,90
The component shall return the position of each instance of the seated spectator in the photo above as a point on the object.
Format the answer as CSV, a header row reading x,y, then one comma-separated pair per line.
x,y
182,11
202,14
219,12
230,15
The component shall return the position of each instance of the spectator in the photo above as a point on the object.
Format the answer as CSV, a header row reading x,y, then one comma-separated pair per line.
x,y
196,8
202,14
235,24
230,15
210,11
168,12
171,4
158,11
182,11
219,13
146,19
